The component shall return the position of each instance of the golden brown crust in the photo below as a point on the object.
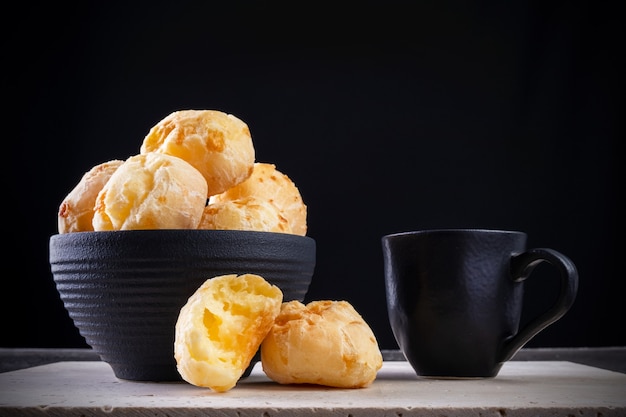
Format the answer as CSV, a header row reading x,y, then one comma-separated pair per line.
x,y
217,144
244,214
151,191
324,342
269,184
77,208
221,327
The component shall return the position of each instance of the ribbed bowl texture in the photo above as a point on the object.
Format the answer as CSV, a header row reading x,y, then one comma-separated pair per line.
x,y
124,289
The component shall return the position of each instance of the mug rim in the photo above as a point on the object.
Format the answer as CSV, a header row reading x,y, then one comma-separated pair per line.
x,y
454,231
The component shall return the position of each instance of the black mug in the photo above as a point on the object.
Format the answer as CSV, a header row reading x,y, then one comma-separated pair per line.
x,y
454,298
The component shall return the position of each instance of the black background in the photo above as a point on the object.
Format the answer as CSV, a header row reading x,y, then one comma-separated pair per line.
x,y
387,116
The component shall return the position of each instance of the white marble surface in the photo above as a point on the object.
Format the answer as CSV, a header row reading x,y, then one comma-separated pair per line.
x,y
552,388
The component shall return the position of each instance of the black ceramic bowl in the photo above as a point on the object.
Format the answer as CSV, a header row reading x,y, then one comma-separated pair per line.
x,y
124,289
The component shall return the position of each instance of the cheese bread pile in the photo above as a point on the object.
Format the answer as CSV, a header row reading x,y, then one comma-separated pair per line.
x,y
187,159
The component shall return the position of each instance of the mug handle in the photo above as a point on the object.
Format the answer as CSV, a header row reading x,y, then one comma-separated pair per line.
x,y
522,266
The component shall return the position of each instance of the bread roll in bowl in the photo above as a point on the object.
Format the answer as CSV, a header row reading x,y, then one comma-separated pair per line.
x,y
151,191
77,208
324,342
221,327
217,144
248,213
269,184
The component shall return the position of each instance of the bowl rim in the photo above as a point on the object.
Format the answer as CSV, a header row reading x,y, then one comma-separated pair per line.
x,y
179,244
